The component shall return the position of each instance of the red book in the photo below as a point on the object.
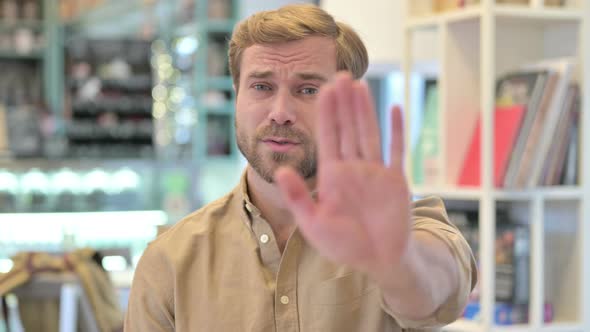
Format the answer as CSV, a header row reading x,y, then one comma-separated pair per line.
x,y
507,122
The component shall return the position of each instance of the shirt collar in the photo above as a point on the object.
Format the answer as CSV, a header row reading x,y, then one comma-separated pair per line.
x,y
249,207
247,203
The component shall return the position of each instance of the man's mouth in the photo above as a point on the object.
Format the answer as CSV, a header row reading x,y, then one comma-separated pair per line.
x,y
280,144
280,141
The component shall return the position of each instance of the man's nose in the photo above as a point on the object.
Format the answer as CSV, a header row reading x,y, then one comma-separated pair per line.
x,y
283,109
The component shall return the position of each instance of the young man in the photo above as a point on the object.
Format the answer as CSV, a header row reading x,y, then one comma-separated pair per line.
x,y
320,235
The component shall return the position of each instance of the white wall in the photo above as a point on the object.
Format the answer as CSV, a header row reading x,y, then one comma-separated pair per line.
x,y
249,7
379,23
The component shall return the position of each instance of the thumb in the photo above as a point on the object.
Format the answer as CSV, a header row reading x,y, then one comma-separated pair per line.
x,y
295,193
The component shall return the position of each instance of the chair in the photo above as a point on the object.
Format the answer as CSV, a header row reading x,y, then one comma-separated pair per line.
x,y
74,307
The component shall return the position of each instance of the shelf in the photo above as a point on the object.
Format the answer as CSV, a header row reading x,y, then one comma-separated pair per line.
x,y
121,105
105,139
468,326
46,165
11,55
562,327
449,193
434,20
113,229
545,14
463,325
144,217
130,16
105,11
545,193
36,25
514,328
500,11
137,83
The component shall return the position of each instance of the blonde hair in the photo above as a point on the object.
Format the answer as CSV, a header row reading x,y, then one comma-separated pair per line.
x,y
295,22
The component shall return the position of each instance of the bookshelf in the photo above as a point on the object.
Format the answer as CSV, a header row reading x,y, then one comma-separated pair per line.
x,y
169,186
467,50
210,93
190,38
30,55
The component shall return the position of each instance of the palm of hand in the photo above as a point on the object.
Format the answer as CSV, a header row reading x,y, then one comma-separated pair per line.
x,y
361,216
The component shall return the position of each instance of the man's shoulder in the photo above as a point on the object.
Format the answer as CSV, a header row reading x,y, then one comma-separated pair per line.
x,y
189,240
197,225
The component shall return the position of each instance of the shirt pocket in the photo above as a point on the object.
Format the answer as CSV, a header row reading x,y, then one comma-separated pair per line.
x,y
341,290
347,303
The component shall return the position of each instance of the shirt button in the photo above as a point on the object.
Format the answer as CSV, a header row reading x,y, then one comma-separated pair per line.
x,y
264,238
284,299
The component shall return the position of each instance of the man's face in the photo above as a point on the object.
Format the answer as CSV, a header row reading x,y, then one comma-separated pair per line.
x,y
275,106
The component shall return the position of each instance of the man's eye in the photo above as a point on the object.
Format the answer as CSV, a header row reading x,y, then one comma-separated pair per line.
x,y
261,87
309,91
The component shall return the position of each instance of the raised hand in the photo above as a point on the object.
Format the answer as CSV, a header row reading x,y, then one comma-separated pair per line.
x,y
361,216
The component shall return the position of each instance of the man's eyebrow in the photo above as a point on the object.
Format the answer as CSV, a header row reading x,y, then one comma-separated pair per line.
x,y
261,74
305,76
312,77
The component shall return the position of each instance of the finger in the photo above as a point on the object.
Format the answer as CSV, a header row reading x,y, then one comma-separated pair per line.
x,y
397,138
327,132
295,193
349,145
367,125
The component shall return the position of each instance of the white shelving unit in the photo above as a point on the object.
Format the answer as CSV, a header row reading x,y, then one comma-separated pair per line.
x,y
471,48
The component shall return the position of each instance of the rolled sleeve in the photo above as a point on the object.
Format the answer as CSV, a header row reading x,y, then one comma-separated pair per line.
x,y
429,215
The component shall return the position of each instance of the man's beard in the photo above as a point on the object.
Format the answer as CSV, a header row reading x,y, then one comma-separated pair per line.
x,y
250,148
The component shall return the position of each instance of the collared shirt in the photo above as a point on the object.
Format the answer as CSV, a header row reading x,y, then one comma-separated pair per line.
x,y
220,269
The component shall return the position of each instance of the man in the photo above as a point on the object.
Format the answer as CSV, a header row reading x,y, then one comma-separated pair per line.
x,y
320,234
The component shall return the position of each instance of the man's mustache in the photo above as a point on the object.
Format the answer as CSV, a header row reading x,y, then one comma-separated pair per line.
x,y
286,132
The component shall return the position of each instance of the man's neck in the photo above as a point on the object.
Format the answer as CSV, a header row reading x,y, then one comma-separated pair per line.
x,y
267,198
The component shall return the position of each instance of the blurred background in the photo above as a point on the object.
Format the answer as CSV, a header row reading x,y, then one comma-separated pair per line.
x,y
117,120
114,111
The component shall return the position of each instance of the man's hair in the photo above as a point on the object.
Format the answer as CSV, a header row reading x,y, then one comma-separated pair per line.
x,y
295,22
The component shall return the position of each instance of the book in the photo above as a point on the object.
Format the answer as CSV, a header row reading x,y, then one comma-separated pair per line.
x,y
570,173
556,156
509,93
529,176
426,156
520,88
521,162
507,123
507,314
512,248
512,258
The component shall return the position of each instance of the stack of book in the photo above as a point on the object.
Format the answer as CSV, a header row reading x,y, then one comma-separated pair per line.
x,y
535,129
110,99
512,252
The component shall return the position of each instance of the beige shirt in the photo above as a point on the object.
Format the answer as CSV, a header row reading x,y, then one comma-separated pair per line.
x,y
220,269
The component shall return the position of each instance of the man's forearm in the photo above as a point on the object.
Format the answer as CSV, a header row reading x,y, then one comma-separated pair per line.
x,y
424,280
